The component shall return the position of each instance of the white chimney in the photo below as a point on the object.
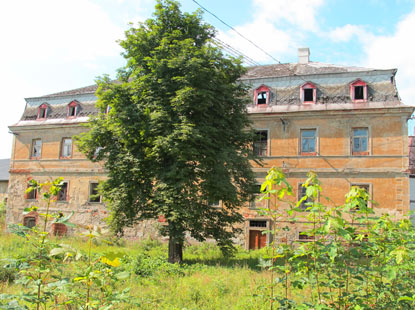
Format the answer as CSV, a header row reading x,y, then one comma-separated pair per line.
x,y
303,55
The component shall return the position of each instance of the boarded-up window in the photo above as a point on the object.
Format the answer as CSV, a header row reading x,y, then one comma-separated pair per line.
x,y
29,221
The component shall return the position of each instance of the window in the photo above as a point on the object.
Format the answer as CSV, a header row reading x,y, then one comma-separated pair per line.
x,y
43,111
360,141
261,143
93,193
308,93
256,223
261,96
66,150
302,193
305,236
215,204
36,148
358,91
72,109
29,221
254,203
63,193
308,142
32,195
366,187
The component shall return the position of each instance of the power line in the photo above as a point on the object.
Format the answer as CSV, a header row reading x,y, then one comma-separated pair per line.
x,y
240,34
230,49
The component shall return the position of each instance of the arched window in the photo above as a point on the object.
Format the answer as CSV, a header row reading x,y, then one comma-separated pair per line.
x,y
42,112
261,96
358,91
73,109
308,93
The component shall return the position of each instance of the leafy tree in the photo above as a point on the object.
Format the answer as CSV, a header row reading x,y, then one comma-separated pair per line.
x,y
177,137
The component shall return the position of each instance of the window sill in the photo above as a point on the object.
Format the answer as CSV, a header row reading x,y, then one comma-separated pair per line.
x,y
360,153
64,157
309,102
263,105
359,101
308,153
35,158
62,201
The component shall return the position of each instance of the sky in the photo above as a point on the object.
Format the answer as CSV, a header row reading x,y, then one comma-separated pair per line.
x,y
55,45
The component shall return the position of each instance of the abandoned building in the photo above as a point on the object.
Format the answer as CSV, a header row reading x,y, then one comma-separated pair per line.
x,y
347,124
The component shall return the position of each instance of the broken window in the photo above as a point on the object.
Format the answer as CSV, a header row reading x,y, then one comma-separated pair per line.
x,y
308,141
93,192
358,91
29,221
72,109
63,193
43,111
308,94
360,141
261,143
32,195
262,95
257,223
66,150
36,148
262,98
302,192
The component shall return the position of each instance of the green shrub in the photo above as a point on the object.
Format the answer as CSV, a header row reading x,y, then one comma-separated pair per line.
x,y
147,266
7,274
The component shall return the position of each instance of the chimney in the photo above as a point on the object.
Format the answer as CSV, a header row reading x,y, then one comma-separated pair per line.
x,y
303,55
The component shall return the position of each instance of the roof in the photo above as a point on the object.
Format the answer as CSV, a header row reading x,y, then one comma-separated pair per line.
x,y
4,169
91,89
291,69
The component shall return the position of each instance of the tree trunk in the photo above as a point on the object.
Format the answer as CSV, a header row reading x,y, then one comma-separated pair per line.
x,y
175,249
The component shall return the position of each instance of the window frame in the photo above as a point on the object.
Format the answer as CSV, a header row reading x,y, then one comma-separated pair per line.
x,y
33,148
316,147
72,105
305,86
302,206
267,152
66,195
262,89
90,192
352,137
62,156
369,191
42,107
28,196
353,85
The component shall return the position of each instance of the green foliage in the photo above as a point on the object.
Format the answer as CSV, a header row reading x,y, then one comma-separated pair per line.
x,y
354,259
177,136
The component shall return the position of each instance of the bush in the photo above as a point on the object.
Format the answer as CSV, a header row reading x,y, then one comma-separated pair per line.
x,y
147,266
7,274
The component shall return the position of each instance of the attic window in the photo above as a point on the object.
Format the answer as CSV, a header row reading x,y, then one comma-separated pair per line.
x,y
72,109
358,91
308,93
261,96
42,112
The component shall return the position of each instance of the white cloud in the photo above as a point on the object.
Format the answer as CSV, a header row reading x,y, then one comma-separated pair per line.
x,y
274,41
396,51
299,13
346,33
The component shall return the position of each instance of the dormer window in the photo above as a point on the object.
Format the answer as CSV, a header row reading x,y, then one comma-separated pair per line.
x,y
358,91
72,109
43,111
261,96
308,93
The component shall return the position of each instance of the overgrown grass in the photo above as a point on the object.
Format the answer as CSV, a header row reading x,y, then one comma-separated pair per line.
x,y
206,279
